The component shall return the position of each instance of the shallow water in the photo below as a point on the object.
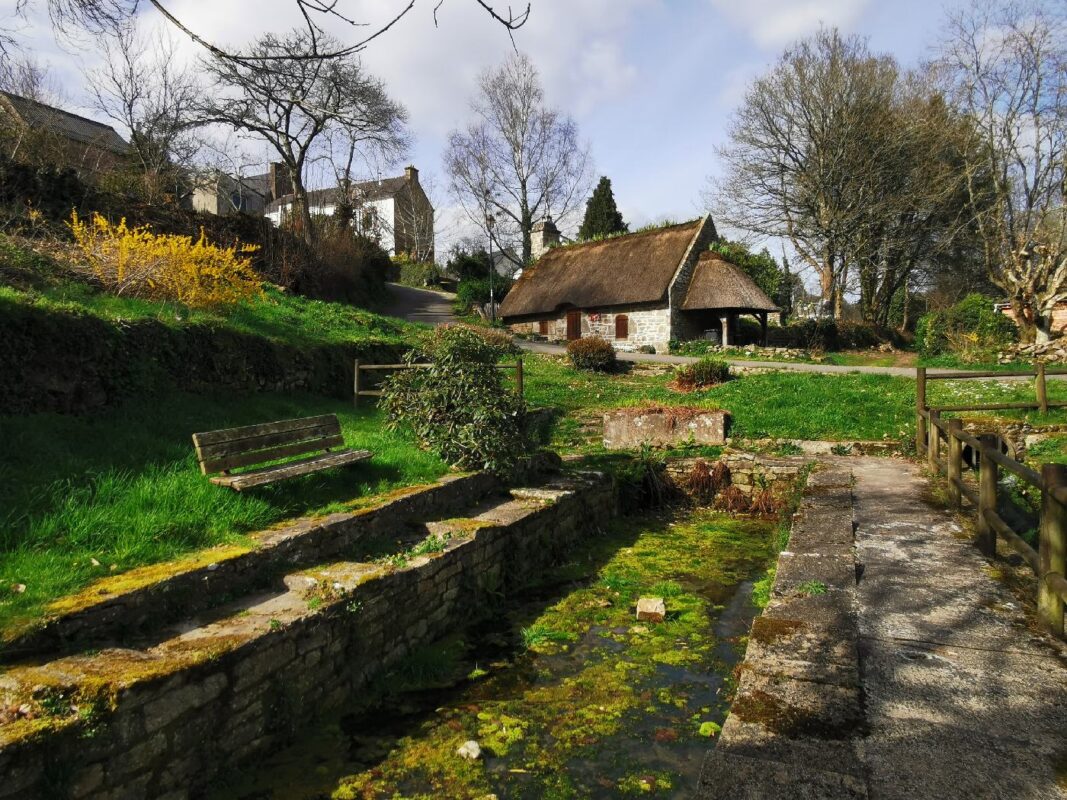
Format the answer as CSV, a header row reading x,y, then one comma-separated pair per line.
x,y
566,694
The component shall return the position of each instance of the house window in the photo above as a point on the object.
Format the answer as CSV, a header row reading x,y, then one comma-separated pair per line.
x,y
542,327
622,326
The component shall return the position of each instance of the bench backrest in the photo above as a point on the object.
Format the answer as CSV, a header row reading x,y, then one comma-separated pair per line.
x,y
233,448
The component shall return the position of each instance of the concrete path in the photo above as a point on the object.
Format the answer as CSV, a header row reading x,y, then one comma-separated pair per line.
x,y
963,699
419,305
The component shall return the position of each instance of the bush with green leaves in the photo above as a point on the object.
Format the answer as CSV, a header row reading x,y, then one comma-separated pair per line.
x,y
705,372
592,353
459,405
972,325
475,291
414,273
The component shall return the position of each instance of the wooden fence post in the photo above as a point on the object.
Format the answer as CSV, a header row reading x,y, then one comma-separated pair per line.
x,y
1042,388
519,389
1052,549
920,406
355,385
955,462
987,496
933,442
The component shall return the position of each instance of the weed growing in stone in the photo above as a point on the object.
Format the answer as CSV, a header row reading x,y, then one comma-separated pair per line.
x,y
812,588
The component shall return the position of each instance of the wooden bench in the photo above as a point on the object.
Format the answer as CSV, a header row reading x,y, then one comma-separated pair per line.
x,y
233,448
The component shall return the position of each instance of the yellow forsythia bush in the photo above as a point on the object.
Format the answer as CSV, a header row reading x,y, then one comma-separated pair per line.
x,y
136,262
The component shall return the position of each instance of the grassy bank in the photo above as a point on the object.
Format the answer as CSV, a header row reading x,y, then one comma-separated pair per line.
x,y
83,497
29,278
792,405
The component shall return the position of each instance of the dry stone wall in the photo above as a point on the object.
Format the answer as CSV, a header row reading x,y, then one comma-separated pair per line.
x,y
227,695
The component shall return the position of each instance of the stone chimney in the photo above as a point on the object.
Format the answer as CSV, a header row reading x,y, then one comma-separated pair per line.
x,y
411,173
280,185
545,235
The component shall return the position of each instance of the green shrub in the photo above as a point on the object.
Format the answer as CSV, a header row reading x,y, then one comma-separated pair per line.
x,y
414,273
706,372
475,291
459,406
971,328
592,353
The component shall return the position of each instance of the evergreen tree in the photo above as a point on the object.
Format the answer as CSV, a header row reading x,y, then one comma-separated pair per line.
x,y
602,217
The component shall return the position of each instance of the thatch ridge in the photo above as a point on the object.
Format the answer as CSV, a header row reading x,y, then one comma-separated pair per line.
x,y
720,284
621,270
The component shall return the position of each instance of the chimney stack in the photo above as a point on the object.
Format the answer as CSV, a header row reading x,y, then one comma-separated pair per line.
x,y
411,173
545,235
280,184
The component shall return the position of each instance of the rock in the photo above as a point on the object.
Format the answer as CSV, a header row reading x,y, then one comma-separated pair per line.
x,y
651,609
469,750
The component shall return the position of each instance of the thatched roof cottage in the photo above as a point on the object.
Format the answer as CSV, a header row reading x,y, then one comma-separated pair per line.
x,y
642,289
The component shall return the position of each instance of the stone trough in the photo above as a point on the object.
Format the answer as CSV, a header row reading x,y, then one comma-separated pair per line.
x,y
630,428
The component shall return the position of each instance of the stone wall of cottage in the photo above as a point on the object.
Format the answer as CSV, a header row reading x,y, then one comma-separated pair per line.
x,y
169,736
648,327
681,326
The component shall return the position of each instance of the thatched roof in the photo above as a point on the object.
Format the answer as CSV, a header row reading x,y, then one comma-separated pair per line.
x,y
623,270
718,284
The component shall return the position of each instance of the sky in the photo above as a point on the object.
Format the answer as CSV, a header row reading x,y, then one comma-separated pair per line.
x,y
651,83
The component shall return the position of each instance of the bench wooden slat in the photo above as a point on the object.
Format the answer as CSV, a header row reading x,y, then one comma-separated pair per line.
x,y
239,460
249,431
208,452
292,469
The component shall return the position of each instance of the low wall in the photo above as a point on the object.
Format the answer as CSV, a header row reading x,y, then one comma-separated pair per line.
x,y
629,428
796,721
164,728
749,472
71,362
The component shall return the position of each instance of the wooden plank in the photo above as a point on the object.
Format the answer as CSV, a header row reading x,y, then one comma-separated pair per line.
x,y
369,393
292,469
1017,373
239,446
251,458
248,431
997,407
1029,554
1052,551
1029,475
967,492
1058,584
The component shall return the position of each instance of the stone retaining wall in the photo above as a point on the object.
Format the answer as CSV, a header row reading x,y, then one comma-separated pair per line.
x,y
629,428
796,722
749,472
168,734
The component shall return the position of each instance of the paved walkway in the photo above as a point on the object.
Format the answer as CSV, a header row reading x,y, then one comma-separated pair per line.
x,y
419,305
963,699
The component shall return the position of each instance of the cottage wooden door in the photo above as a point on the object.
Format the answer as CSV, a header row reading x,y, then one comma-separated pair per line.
x,y
574,325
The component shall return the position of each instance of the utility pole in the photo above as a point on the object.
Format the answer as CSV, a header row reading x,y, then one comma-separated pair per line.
x,y
490,220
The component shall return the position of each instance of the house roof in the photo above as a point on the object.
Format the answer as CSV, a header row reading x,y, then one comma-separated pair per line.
x,y
623,270
718,284
366,190
70,126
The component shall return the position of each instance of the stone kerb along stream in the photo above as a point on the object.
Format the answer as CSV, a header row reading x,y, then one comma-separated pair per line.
x,y
478,643
562,692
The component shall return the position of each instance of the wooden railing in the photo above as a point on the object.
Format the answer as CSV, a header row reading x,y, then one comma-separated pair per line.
x,y
359,390
1049,560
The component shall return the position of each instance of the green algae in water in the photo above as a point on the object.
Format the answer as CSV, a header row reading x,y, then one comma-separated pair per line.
x,y
592,705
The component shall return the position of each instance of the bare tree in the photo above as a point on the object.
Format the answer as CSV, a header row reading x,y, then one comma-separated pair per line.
x,y
102,15
795,145
143,87
1005,65
23,75
298,101
519,160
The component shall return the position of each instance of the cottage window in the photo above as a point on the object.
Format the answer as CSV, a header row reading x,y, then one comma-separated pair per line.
x,y
542,327
622,326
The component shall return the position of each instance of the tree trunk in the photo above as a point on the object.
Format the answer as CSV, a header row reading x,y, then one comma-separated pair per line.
x,y
303,209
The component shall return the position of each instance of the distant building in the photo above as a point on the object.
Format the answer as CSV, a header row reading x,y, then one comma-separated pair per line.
x,y
39,132
639,290
393,211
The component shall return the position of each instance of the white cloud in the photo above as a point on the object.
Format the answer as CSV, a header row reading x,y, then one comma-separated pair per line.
x,y
776,23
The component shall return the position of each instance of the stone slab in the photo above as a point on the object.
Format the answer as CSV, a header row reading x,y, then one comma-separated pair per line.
x,y
837,571
728,776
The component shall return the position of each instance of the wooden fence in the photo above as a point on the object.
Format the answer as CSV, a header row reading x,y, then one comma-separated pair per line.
x,y
359,391
1049,560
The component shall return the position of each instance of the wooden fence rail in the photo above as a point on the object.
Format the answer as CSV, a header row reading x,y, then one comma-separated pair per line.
x,y
357,385
1049,560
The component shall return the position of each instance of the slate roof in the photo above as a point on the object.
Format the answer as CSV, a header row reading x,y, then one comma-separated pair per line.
x,y
71,126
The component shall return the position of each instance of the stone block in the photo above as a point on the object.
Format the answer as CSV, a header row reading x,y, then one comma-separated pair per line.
x,y
651,609
626,429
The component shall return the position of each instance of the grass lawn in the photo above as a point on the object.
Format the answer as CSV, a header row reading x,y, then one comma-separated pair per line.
x,y
789,405
123,489
34,279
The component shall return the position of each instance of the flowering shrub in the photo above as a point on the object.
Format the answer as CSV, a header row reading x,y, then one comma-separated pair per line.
x,y
139,263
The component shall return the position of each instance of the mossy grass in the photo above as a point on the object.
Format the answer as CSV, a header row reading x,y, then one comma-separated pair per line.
x,y
85,497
